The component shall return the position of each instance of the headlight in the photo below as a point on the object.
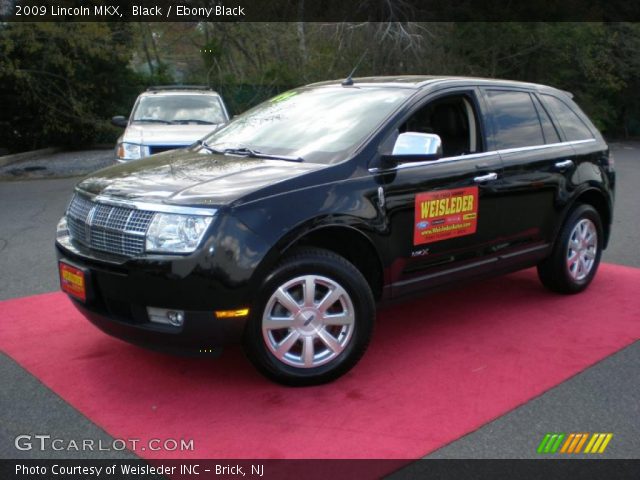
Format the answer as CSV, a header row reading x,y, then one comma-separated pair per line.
x,y
130,151
62,230
171,233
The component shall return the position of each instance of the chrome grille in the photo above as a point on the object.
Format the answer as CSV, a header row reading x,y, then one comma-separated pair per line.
x,y
117,230
153,149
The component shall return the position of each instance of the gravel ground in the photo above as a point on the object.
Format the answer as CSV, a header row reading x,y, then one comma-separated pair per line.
x,y
59,165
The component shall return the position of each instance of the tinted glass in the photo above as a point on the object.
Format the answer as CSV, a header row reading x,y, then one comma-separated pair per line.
x,y
550,133
572,126
516,119
320,125
179,109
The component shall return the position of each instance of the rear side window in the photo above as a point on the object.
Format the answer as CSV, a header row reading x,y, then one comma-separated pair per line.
x,y
570,123
515,119
550,133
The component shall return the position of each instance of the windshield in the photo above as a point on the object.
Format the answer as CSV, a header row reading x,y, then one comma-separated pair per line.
x,y
319,125
179,109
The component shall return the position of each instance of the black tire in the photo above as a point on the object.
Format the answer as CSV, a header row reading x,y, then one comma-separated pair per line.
x,y
554,272
317,264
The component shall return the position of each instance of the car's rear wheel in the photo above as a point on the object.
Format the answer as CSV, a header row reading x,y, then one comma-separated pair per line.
x,y
313,321
576,254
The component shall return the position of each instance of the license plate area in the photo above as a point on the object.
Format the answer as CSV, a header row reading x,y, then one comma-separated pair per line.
x,y
73,281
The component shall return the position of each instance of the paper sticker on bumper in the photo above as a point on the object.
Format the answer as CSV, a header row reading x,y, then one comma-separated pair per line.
x,y
445,214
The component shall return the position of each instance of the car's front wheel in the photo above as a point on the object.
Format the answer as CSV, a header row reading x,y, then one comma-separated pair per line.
x,y
313,321
576,254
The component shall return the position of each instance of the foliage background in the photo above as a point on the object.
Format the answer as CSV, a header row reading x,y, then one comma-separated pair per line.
x,y
61,82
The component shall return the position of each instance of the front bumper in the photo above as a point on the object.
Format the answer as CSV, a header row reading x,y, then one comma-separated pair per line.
x,y
118,296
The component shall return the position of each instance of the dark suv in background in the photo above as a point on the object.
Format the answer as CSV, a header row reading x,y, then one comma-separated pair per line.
x,y
284,228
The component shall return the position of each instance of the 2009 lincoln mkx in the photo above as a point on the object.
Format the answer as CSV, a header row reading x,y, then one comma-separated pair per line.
x,y
283,229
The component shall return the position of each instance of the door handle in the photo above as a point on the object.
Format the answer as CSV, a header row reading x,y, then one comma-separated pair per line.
x,y
486,178
564,164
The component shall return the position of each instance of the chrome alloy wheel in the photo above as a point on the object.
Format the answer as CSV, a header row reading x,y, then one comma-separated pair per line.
x,y
308,321
582,249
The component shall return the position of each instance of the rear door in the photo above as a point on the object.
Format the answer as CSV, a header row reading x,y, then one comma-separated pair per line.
x,y
537,164
575,129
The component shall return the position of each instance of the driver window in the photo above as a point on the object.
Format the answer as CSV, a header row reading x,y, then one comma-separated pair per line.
x,y
454,119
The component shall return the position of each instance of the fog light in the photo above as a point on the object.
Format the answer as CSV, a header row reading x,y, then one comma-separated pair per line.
x,y
166,316
175,318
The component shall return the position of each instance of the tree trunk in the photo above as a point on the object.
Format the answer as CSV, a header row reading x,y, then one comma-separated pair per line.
x,y
302,41
145,47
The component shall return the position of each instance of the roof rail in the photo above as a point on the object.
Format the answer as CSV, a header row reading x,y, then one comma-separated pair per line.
x,y
158,88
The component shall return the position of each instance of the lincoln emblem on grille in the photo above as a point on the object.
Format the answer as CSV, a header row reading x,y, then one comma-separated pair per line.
x,y
87,227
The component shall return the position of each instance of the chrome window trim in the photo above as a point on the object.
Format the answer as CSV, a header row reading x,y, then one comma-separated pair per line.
x,y
542,147
505,151
577,142
403,166
151,207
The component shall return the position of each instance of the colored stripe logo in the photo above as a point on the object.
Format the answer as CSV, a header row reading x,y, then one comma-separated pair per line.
x,y
574,443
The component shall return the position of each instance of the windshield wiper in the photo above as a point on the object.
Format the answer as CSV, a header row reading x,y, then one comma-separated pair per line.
x,y
193,120
249,152
208,147
153,120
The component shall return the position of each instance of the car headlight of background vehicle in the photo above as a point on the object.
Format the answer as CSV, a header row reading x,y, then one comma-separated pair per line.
x,y
174,233
131,151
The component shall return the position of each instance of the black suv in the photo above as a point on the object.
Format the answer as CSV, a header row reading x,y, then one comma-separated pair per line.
x,y
284,228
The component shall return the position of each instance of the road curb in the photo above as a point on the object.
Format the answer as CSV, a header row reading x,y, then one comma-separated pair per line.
x,y
20,157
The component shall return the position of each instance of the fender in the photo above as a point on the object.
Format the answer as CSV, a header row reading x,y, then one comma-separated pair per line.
x,y
582,192
347,223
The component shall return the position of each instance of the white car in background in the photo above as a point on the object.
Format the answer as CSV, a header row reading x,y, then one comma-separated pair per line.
x,y
168,117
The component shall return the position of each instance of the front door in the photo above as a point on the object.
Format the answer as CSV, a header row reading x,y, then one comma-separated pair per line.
x,y
443,215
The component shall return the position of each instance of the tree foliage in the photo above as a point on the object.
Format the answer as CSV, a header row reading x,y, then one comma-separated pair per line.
x,y
598,62
58,82
61,82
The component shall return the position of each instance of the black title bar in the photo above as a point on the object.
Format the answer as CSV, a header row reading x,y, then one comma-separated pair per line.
x,y
317,10
583,469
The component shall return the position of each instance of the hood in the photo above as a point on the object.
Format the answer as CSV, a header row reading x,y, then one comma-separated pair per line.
x,y
153,134
192,178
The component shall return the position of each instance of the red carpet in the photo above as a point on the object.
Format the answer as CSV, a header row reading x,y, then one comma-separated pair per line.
x,y
437,369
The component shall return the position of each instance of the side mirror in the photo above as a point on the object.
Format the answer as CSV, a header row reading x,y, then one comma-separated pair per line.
x,y
414,147
119,121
